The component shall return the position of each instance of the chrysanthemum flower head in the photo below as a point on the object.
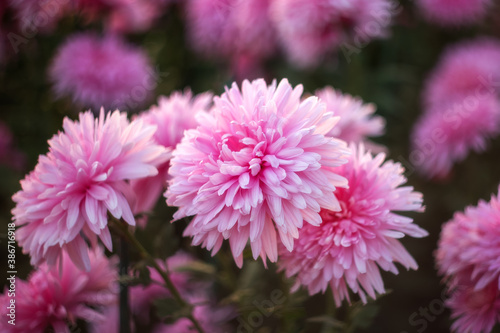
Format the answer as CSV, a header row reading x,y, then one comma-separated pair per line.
x,y
467,258
65,201
105,71
454,12
172,116
310,30
350,246
258,163
357,120
466,68
39,16
55,299
447,133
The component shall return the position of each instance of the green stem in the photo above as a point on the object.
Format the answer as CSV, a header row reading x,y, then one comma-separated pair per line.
x,y
125,233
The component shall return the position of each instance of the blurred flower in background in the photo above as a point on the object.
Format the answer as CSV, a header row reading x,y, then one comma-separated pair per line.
x,y
102,71
172,116
10,156
461,106
357,120
468,259
348,248
454,12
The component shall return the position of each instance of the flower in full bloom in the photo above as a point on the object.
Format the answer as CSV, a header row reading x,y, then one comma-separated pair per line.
x,y
350,246
311,29
446,135
64,202
172,116
467,257
258,163
106,71
454,12
53,298
357,120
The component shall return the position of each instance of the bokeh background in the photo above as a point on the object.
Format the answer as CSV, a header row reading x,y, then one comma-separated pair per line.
x,y
389,73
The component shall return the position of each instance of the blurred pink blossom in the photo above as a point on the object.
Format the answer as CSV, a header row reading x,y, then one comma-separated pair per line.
x,y
454,12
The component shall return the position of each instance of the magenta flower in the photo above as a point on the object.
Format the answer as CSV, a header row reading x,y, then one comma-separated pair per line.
x,y
454,12
66,199
106,71
446,134
467,257
172,117
53,298
357,120
39,16
258,163
312,29
350,246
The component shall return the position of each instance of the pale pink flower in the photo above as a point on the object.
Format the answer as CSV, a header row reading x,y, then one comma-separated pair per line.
x,y
53,298
258,163
312,29
467,257
454,12
105,71
446,133
66,199
466,68
357,120
350,247
172,116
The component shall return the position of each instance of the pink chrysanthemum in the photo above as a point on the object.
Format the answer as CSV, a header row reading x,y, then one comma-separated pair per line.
x,y
446,134
56,299
454,12
468,258
172,117
102,72
310,30
350,246
66,199
467,68
258,163
357,120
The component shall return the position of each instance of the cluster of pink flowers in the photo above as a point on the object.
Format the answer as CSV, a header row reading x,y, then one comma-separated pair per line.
x,y
307,30
56,299
461,106
102,71
66,200
348,248
454,12
467,257
260,164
